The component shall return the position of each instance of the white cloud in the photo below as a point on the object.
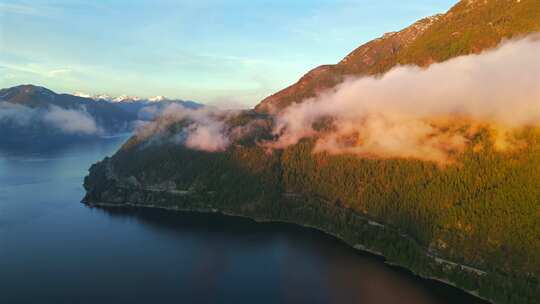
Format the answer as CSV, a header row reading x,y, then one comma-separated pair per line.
x,y
398,114
23,9
36,69
204,129
15,114
73,121
57,72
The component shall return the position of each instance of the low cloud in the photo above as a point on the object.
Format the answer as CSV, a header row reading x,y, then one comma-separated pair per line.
x,y
411,112
207,136
429,114
149,113
71,121
202,129
15,114
67,121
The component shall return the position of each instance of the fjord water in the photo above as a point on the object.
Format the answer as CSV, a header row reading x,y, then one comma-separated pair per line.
x,y
54,249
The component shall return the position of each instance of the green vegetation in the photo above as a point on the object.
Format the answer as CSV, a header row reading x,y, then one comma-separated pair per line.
x,y
482,211
472,27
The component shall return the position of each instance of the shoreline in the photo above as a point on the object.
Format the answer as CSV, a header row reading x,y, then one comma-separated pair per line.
x,y
358,247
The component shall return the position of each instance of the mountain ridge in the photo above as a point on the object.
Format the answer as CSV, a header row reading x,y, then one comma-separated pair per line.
x,y
429,40
481,211
35,115
359,62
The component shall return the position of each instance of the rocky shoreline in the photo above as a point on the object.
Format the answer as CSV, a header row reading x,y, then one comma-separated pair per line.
x,y
359,247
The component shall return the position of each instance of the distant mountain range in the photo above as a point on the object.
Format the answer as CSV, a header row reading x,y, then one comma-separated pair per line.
x,y
32,114
135,99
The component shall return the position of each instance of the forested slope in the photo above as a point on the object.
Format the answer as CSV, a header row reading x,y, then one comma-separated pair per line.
x,y
473,220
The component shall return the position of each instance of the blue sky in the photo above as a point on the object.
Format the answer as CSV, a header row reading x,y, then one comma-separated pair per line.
x,y
212,51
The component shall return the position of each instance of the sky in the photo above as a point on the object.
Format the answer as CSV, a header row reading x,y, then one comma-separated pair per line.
x,y
226,52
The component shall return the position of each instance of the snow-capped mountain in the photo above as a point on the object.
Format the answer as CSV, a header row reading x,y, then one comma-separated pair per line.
x,y
143,108
83,95
105,97
126,98
36,116
158,98
102,97
30,113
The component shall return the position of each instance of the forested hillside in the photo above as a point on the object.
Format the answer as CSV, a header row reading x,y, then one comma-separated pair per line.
x,y
472,219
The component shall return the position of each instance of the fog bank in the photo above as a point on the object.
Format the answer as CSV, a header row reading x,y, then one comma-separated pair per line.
x,y
405,112
68,121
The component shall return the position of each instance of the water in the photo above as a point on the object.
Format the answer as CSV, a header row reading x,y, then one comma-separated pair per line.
x,y
54,249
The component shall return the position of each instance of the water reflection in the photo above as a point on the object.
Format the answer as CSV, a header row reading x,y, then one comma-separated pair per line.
x,y
312,267
54,249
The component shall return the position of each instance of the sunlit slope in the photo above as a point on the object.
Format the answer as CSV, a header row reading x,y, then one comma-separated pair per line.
x,y
471,26
480,207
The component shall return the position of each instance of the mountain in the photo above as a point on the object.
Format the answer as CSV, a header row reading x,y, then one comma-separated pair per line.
x,y
34,114
135,99
468,27
440,176
145,108
149,109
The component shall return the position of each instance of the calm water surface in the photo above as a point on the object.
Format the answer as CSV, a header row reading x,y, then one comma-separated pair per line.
x,y
54,249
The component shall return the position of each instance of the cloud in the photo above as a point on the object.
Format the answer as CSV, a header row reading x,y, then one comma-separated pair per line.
x,y
149,112
36,69
207,136
32,8
71,121
428,114
67,121
228,103
412,112
57,72
203,129
15,114
23,9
